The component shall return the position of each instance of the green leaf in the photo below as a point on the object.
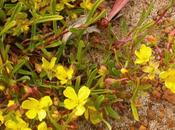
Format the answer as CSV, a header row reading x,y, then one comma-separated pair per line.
x,y
135,93
11,22
1,3
48,18
7,26
99,101
54,123
112,68
111,112
92,11
59,52
17,9
98,17
79,51
18,66
91,77
24,72
2,14
77,83
19,46
123,26
134,111
96,117
55,44
145,14
23,78
53,9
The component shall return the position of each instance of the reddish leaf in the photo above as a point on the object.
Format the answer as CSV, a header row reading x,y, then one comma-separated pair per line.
x,y
119,4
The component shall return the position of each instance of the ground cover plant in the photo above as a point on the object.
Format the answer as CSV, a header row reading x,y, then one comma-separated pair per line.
x,y
49,78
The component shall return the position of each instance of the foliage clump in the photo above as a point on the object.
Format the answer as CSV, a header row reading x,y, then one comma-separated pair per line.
x,y
48,75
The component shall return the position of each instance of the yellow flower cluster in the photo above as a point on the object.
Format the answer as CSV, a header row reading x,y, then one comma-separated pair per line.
x,y
144,56
62,73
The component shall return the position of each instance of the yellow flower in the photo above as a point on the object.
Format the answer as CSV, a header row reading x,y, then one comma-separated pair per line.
x,y
169,78
152,69
143,55
74,101
124,71
64,74
16,123
49,67
86,4
2,87
1,118
37,108
10,103
43,126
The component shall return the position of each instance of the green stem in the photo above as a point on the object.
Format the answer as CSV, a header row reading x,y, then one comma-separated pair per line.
x,y
53,8
54,123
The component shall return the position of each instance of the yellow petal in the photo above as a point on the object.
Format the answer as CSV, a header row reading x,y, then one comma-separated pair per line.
x,y
31,114
83,93
2,87
1,61
146,52
148,69
61,72
139,61
42,126
45,102
63,81
1,118
41,115
31,103
52,62
26,129
11,124
69,92
143,55
170,85
163,75
137,53
80,110
10,103
21,123
70,72
45,63
70,104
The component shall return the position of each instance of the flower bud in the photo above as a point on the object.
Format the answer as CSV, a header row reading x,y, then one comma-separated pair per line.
x,y
124,70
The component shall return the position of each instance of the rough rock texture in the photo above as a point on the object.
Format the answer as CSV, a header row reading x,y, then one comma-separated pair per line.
x,y
157,112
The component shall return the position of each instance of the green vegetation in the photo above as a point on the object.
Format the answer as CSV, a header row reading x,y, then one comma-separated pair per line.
x,y
47,78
